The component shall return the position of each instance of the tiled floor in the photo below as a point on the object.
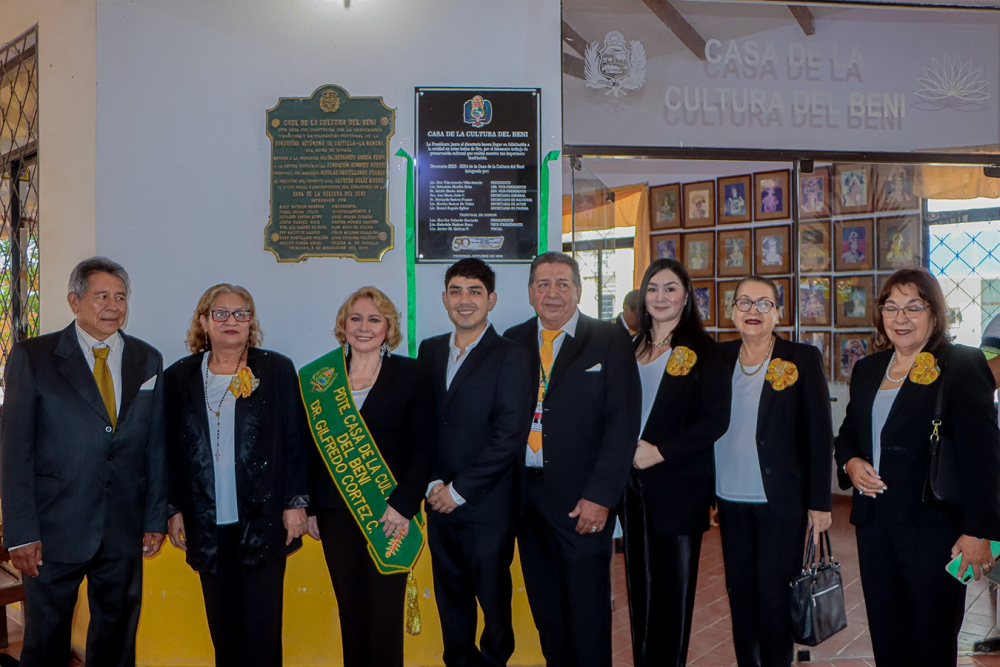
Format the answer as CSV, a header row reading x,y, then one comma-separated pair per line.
x,y
711,638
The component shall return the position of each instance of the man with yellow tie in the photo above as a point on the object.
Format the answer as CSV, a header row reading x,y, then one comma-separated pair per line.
x,y
83,477
583,437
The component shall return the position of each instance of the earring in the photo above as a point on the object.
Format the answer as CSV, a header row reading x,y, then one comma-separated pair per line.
x,y
384,350
347,349
207,346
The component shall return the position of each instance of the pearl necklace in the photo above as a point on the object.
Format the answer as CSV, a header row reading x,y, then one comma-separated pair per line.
x,y
892,379
757,370
217,411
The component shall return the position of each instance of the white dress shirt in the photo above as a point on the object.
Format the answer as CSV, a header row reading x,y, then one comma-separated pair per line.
x,y
535,459
117,345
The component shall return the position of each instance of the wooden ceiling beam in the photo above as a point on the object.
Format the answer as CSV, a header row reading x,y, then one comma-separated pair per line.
x,y
572,66
806,19
678,25
574,39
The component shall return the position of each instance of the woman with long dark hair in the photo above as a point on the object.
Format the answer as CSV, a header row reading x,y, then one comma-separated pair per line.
x,y
685,409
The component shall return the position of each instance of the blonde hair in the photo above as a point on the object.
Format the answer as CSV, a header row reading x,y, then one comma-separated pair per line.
x,y
383,305
197,338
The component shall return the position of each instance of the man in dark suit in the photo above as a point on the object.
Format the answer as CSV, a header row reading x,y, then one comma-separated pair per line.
x,y
83,471
628,319
483,397
583,437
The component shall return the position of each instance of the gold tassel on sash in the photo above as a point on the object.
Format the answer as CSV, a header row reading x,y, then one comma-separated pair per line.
x,y
412,605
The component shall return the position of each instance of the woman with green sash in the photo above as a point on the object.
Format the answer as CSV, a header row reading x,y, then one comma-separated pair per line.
x,y
371,413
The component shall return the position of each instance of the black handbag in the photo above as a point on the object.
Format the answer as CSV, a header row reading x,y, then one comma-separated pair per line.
x,y
818,610
942,483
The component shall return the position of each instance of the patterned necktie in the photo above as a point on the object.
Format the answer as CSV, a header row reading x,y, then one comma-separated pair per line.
x,y
546,354
102,375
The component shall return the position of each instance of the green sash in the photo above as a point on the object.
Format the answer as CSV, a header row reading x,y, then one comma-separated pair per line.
x,y
355,464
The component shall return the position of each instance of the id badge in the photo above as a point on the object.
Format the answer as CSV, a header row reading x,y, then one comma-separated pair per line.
x,y
536,421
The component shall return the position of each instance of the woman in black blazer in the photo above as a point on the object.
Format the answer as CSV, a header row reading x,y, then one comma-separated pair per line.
x,y
773,472
685,401
395,397
236,445
915,608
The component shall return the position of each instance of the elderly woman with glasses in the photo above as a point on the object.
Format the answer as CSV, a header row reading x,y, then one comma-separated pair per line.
x,y
773,472
237,442
917,378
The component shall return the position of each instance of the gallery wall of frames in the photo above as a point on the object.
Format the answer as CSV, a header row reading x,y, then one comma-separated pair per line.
x,y
855,225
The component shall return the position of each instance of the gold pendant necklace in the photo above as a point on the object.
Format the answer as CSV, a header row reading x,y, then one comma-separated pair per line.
x,y
757,370
217,410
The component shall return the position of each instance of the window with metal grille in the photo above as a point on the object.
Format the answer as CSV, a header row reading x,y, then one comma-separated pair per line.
x,y
19,257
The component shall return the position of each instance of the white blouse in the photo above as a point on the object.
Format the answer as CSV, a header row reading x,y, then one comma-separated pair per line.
x,y
650,376
226,507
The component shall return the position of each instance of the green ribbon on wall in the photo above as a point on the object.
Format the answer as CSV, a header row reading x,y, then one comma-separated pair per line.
x,y
543,218
411,259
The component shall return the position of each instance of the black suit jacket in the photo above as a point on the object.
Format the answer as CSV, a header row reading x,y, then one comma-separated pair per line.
x,y
399,412
690,412
271,441
483,420
591,413
794,433
66,477
968,421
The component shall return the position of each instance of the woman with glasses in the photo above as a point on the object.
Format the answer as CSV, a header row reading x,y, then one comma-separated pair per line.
x,y
915,608
773,472
685,408
236,444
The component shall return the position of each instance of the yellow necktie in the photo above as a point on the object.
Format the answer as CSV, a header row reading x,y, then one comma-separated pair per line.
x,y
102,375
546,354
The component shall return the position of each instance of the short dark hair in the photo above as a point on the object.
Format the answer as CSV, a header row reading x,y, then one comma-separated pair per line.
x,y
689,330
79,279
553,257
474,268
929,290
631,300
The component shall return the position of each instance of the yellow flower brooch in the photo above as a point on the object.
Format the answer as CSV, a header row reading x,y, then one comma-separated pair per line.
x,y
243,383
925,369
681,361
781,374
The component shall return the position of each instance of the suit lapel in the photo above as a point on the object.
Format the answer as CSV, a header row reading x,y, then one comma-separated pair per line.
x,y
781,351
195,387
74,368
383,381
866,390
571,346
475,356
133,369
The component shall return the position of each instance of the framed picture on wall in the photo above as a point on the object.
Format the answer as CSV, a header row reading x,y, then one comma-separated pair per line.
x,y
664,246
784,300
853,245
852,189
814,194
726,290
735,196
814,246
735,257
848,348
699,204
772,249
854,297
699,254
821,341
899,242
814,300
894,188
771,196
704,301
723,336
665,206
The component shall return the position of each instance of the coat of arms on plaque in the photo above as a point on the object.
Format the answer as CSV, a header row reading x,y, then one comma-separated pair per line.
x,y
478,112
615,66
329,101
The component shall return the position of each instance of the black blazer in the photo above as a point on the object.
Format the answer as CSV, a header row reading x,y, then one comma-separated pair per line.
x,y
968,420
690,412
399,412
592,411
483,421
271,439
66,477
794,432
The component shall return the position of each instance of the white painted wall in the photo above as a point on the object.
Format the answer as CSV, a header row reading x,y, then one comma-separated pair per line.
x,y
183,160
67,124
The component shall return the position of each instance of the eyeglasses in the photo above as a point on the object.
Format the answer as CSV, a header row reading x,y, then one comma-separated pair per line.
x,y
762,305
240,315
911,311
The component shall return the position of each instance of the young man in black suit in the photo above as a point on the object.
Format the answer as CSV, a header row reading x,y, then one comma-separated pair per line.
x,y
583,437
484,399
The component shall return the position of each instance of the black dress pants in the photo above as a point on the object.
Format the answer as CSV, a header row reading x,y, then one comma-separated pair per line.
x,y
471,561
915,608
371,605
762,553
566,577
662,573
114,593
244,607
